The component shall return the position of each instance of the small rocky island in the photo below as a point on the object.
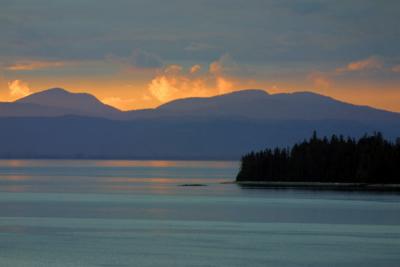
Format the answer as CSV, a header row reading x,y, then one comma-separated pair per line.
x,y
370,161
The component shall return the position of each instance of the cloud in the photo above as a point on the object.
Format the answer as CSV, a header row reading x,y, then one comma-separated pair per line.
x,y
143,59
173,69
353,29
34,65
371,63
320,80
175,82
396,68
137,60
225,65
19,89
195,68
224,85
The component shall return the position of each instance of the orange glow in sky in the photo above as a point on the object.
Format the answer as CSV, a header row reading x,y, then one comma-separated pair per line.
x,y
135,88
144,55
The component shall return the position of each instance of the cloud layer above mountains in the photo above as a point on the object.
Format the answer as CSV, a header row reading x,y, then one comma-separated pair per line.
x,y
125,51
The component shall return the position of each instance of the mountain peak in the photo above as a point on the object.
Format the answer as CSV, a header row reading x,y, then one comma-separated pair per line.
x,y
60,98
249,104
233,97
55,90
40,96
248,92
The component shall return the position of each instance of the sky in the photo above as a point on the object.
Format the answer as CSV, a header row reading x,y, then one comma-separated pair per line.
x,y
136,54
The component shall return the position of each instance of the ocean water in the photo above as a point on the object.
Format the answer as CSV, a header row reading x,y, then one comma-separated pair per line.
x,y
137,213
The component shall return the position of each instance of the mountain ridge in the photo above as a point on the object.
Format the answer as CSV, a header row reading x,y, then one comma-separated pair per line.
x,y
79,137
220,127
251,104
61,98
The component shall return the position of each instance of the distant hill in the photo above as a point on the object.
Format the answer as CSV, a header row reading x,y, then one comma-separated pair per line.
x,y
56,123
163,138
257,104
246,104
58,102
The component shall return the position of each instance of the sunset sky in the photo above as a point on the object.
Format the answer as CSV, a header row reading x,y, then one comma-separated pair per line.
x,y
139,54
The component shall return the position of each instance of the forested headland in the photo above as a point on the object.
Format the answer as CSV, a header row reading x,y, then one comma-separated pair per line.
x,y
370,160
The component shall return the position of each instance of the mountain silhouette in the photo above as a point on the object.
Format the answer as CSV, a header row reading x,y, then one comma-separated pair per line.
x,y
58,124
245,104
258,104
71,103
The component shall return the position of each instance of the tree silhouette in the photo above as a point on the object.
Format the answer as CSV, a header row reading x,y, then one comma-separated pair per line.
x,y
371,159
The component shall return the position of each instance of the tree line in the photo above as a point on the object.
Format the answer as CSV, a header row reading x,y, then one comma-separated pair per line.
x,y
370,159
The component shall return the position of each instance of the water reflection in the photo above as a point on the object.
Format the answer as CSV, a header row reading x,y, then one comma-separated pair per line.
x,y
13,163
111,176
14,177
18,188
118,163
134,213
129,180
136,163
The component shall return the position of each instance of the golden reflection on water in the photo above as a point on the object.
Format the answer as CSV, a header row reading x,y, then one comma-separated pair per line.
x,y
156,176
14,163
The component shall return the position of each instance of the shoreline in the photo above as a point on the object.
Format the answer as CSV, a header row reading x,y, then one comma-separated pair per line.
x,y
320,186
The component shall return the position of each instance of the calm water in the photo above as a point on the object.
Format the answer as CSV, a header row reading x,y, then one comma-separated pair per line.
x,y
135,213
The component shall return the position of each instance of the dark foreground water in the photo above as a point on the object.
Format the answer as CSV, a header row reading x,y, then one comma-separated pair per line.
x,y
135,213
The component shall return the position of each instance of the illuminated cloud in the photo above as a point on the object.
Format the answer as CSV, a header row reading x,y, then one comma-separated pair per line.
x,y
224,85
225,65
320,80
19,89
141,35
173,69
195,68
174,82
34,65
371,63
166,88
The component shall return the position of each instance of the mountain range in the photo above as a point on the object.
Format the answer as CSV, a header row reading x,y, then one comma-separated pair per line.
x,y
56,123
246,104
